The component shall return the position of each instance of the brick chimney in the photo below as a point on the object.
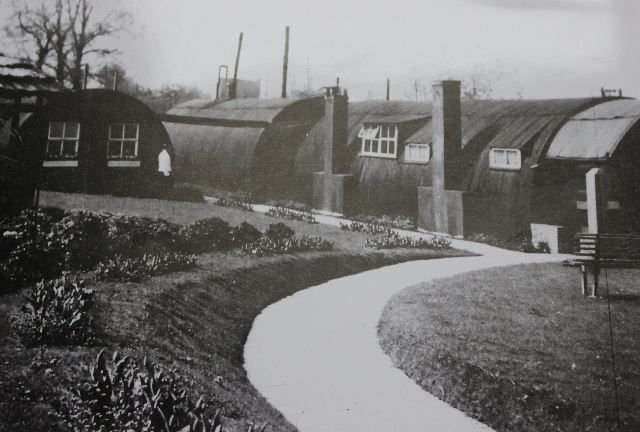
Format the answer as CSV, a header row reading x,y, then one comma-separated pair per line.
x,y
447,135
336,112
333,187
441,205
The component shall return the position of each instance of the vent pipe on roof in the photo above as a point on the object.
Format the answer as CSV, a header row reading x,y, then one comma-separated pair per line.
x,y
85,76
115,80
233,90
388,88
226,76
285,65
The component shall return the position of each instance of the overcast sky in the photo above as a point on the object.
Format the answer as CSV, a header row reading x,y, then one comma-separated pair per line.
x,y
532,48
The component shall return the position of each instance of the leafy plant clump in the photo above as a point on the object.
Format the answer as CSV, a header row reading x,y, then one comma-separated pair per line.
x,y
396,241
245,233
297,215
366,228
123,396
280,239
135,269
57,313
234,203
207,235
398,222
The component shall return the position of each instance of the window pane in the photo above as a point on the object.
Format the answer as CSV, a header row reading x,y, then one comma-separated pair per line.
x,y
131,131
383,146
115,149
392,147
512,158
71,130
499,157
56,130
69,149
53,148
116,131
367,146
129,149
374,146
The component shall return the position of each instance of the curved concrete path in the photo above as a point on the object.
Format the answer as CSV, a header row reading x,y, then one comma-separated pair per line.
x,y
315,355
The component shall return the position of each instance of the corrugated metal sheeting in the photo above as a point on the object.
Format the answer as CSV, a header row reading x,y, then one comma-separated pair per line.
x,y
23,78
596,132
241,143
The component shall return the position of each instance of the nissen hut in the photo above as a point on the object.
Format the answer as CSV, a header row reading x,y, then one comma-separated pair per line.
x,y
242,144
100,141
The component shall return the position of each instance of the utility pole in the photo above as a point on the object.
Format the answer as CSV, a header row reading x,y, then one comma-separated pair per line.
x,y
233,90
115,81
285,65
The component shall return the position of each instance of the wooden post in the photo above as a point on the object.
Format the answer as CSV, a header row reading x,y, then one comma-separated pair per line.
x,y
584,280
285,65
234,85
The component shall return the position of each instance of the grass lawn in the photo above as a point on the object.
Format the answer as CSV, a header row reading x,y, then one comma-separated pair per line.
x,y
198,320
520,349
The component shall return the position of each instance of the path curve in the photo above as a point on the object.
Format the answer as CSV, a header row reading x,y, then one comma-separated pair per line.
x,y
315,355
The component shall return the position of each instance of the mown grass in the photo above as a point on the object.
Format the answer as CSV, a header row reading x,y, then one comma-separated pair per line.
x,y
198,319
520,349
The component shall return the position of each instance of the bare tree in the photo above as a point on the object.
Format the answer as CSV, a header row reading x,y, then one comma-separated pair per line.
x,y
34,29
87,32
64,37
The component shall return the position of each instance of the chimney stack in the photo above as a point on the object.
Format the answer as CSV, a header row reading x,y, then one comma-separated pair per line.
x,y
336,111
447,135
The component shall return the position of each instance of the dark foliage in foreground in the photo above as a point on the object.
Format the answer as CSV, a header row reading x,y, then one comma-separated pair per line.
x,y
57,313
127,397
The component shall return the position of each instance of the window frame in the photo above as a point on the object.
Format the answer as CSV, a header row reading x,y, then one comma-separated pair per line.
x,y
497,165
417,160
61,140
386,137
121,141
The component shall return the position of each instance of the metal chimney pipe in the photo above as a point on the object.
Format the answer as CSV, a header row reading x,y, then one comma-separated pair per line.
x,y
234,86
285,65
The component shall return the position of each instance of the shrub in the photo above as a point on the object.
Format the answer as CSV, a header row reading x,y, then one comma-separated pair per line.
x,y
135,269
126,397
83,238
29,262
285,213
279,232
245,233
233,203
396,241
57,313
134,235
207,235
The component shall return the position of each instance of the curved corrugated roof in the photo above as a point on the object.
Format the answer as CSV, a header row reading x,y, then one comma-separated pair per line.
x,y
260,110
595,133
525,124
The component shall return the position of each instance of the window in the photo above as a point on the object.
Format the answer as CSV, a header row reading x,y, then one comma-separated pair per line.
x,y
63,140
379,140
123,141
509,159
417,153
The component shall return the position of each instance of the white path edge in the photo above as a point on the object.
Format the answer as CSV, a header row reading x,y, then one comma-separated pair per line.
x,y
315,355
